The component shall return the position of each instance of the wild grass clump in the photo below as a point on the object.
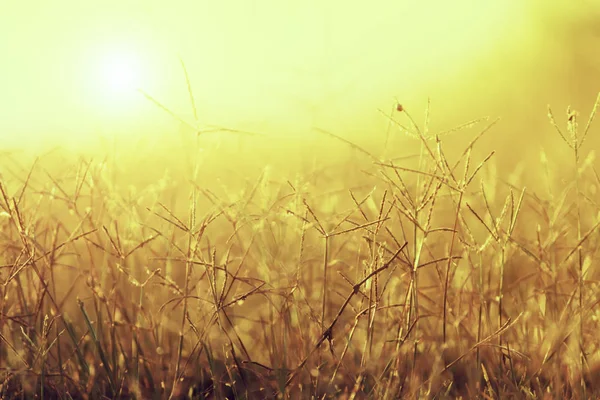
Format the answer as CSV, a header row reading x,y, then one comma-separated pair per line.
x,y
429,276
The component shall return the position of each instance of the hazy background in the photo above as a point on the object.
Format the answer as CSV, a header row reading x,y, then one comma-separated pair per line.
x,y
280,67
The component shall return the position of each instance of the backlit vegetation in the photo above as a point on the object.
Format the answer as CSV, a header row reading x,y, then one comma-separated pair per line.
x,y
348,273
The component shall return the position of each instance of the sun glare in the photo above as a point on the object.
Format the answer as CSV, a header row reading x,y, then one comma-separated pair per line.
x,y
112,76
120,72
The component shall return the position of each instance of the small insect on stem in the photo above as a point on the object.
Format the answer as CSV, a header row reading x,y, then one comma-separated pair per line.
x,y
399,107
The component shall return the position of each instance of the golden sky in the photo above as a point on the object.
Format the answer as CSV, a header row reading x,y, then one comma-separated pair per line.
x,y
70,69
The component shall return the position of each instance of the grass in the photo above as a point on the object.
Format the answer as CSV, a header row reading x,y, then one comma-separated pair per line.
x,y
358,276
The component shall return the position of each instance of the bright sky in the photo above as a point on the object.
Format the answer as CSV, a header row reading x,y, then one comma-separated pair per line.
x,y
70,69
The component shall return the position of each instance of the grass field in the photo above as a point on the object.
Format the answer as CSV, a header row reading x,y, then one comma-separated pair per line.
x,y
401,267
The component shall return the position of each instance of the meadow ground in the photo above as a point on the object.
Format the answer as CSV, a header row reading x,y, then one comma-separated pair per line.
x,y
242,267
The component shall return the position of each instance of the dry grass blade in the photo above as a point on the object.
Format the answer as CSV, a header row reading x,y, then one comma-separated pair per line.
x,y
507,325
190,93
14,350
349,143
26,184
580,243
166,109
492,232
177,223
466,125
555,125
469,147
358,227
590,119
440,178
328,333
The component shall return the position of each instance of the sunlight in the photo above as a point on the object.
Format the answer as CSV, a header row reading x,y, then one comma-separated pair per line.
x,y
169,166
118,73
267,66
111,73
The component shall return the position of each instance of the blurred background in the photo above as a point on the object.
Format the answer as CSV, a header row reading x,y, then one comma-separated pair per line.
x,y
70,71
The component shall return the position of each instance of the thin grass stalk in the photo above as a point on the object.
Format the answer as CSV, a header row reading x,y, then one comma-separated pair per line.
x,y
575,143
325,282
448,268
192,222
42,350
186,290
324,307
572,125
501,290
99,348
480,313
